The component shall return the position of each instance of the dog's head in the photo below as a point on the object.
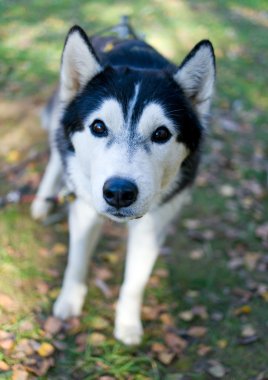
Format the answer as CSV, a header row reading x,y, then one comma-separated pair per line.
x,y
129,130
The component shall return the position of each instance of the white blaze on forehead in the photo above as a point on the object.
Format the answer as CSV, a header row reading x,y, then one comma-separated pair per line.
x,y
152,117
132,104
111,113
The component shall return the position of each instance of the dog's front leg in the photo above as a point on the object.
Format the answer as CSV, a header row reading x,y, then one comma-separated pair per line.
x,y
145,238
85,226
49,187
143,247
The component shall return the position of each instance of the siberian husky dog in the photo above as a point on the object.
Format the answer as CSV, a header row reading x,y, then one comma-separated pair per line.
x,y
125,126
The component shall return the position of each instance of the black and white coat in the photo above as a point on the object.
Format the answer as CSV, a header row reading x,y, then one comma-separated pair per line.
x,y
126,127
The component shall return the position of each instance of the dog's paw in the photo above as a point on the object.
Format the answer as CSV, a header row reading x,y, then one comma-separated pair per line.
x,y
70,302
40,209
129,334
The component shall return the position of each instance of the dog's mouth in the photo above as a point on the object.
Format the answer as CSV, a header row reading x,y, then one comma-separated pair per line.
x,y
121,215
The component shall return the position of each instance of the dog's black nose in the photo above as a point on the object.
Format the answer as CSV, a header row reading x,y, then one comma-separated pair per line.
x,y
119,192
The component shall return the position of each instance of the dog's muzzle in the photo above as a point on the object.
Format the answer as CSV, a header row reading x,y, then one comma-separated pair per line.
x,y
119,192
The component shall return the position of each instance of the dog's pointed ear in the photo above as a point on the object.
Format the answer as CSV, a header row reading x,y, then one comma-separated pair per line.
x,y
79,63
196,76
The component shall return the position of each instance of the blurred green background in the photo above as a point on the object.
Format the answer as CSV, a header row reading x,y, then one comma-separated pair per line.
x,y
219,246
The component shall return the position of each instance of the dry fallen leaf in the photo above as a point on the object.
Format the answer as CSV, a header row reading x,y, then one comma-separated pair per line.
x,y
245,309
166,357
73,325
203,350
158,347
19,374
6,340
197,331
175,342
167,319
46,349
186,315
248,331
96,339
149,313
216,369
24,347
52,325
4,366
40,368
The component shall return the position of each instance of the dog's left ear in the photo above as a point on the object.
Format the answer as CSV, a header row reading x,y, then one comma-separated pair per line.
x,y
79,63
196,76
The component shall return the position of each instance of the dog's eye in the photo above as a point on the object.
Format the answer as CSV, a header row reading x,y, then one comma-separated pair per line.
x,y
161,135
99,129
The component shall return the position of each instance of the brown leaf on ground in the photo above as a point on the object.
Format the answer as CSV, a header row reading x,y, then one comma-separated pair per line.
x,y
203,350
73,325
6,340
20,374
53,325
96,339
41,367
197,331
4,366
23,348
166,357
167,319
176,343
158,347
149,313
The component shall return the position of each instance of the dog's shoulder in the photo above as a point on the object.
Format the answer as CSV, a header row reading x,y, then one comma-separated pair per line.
x,y
132,53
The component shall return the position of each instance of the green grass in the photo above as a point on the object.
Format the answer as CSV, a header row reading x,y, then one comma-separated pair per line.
x,y
32,34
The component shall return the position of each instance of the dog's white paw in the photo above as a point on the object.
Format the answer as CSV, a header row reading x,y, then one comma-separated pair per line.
x,y
70,301
129,334
40,209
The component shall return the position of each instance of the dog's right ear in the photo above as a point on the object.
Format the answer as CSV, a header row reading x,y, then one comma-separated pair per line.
x,y
79,64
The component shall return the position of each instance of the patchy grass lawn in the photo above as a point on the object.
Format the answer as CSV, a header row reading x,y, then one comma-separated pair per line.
x,y
206,306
